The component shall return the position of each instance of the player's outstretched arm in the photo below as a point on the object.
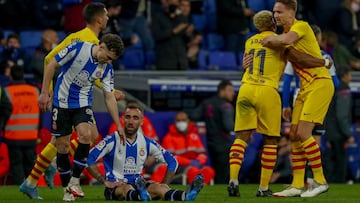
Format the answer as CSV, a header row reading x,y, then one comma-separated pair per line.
x,y
304,60
119,95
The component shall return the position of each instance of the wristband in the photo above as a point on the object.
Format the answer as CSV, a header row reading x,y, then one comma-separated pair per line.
x,y
327,62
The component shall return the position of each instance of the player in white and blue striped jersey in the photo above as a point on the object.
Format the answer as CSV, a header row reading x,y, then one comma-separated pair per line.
x,y
81,64
124,164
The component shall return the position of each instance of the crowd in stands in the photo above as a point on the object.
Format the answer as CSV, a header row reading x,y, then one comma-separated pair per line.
x,y
171,34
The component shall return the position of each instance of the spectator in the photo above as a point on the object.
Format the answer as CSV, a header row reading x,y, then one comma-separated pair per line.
x,y
193,37
13,52
133,21
348,22
185,144
49,40
22,128
218,114
5,70
338,127
169,29
73,15
233,18
340,54
48,14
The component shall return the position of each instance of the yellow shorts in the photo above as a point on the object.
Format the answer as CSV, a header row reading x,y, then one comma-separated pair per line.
x,y
258,107
313,102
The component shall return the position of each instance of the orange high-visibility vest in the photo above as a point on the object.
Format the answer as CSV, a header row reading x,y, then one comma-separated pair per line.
x,y
25,116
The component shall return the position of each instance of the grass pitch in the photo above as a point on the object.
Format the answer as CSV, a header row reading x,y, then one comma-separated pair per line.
x,y
209,194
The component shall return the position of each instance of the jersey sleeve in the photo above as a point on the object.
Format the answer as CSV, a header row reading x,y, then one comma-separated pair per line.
x,y
101,149
108,81
67,54
299,28
163,156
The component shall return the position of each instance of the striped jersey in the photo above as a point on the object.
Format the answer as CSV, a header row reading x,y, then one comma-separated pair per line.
x,y
75,83
125,163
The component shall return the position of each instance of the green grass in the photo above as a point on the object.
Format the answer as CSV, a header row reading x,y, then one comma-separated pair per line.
x,y
210,194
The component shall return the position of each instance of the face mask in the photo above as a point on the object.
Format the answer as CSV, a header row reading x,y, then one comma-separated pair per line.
x,y
355,7
181,126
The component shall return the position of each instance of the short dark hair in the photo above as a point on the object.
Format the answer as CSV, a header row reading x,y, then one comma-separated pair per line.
x,y
132,104
342,70
92,10
17,72
13,36
223,84
290,4
316,29
114,43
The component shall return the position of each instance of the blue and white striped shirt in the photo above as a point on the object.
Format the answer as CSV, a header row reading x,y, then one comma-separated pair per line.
x,y
125,163
75,83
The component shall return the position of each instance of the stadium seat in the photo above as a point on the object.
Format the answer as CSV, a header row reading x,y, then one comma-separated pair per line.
x,y
133,59
213,41
210,13
199,22
30,39
61,35
203,60
222,60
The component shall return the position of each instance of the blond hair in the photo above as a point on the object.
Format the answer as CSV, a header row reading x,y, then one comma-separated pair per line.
x,y
263,21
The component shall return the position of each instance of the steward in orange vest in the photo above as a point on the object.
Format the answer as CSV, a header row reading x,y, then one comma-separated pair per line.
x,y
22,128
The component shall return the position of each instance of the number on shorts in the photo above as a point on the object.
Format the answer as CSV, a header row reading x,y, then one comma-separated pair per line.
x,y
55,114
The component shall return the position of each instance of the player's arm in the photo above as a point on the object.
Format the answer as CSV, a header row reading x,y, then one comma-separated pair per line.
x,y
119,95
44,98
112,107
304,60
276,41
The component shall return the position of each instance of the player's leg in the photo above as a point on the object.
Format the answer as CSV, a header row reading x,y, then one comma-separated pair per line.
x,y
245,123
83,120
123,191
317,133
314,112
269,124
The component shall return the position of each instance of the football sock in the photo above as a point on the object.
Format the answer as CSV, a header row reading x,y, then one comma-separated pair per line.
x,y
298,160
42,163
174,195
236,157
268,161
313,155
64,168
80,158
133,195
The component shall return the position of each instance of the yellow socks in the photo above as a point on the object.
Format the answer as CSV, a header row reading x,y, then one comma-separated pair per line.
x,y
42,163
268,161
313,155
236,157
298,160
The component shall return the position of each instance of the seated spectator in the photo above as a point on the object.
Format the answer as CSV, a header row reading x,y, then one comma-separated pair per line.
x,y
49,40
193,37
14,52
185,144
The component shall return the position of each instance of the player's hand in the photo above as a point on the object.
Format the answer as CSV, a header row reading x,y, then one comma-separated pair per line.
x,y
247,60
44,101
266,42
286,114
121,132
119,95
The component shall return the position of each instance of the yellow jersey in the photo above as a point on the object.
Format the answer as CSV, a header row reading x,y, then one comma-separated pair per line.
x,y
307,43
84,35
268,64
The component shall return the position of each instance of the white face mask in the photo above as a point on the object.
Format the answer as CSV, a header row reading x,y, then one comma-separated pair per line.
x,y
181,126
355,7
